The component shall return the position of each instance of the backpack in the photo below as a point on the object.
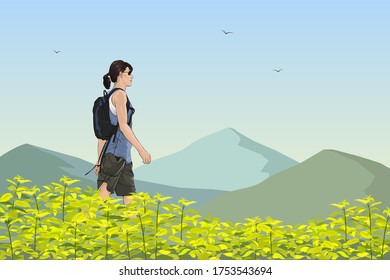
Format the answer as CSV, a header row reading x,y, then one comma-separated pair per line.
x,y
102,126
101,116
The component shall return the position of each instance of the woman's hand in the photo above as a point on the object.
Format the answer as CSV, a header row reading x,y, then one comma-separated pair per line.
x,y
146,158
97,168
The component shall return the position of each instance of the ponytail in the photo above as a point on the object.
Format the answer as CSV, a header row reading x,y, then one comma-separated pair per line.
x,y
106,81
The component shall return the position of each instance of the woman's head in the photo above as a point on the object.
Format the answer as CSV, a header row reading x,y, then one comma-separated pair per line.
x,y
119,70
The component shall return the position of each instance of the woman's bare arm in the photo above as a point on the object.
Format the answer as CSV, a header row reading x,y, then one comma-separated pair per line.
x,y
119,100
100,148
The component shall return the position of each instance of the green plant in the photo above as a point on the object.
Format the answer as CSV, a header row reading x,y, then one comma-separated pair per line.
x,y
62,221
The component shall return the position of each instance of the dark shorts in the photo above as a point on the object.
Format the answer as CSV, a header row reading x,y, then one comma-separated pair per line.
x,y
118,175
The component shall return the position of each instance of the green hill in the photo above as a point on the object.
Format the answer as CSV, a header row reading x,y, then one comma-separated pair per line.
x,y
305,191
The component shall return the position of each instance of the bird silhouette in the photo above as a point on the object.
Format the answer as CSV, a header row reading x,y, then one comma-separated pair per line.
x,y
278,70
56,51
226,32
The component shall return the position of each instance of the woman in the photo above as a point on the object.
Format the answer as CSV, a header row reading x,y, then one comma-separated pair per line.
x,y
115,171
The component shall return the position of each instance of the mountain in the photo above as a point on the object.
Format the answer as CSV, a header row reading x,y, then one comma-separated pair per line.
x,y
305,191
225,160
43,166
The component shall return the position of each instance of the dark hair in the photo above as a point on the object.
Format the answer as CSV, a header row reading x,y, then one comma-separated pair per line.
x,y
116,67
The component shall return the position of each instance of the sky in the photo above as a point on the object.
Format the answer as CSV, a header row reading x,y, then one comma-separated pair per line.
x,y
191,80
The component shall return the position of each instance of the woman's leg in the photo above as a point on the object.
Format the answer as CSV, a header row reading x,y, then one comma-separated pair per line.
x,y
104,193
127,199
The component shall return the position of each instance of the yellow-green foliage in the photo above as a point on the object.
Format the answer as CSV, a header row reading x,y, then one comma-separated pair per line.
x,y
60,221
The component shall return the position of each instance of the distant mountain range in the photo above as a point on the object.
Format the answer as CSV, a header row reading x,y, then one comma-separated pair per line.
x,y
220,162
225,160
305,191
43,166
231,177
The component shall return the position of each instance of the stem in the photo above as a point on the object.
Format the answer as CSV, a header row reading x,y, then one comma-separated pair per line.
x,y
36,202
36,222
181,222
128,246
369,216
157,214
256,239
384,236
345,225
75,241
63,203
35,234
143,234
107,216
10,240
16,190
106,246
270,242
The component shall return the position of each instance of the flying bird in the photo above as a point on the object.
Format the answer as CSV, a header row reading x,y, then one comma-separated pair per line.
x,y
56,51
226,32
278,70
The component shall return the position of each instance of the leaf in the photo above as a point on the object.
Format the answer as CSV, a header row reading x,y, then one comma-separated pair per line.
x,y
340,206
332,255
247,254
222,247
71,182
230,255
176,239
361,201
11,188
365,234
298,257
362,255
22,203
315,250
212,248
112,231
11,182
193,254
164,252
343,254
304,249
278,256
79,217
330,245
20,180
5,197
12,214
161,198
57,185
184,251
351,242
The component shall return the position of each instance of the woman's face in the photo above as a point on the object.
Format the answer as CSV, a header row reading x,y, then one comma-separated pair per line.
x,y
128,79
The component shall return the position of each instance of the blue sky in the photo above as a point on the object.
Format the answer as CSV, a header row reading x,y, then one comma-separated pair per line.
x,y
191,80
